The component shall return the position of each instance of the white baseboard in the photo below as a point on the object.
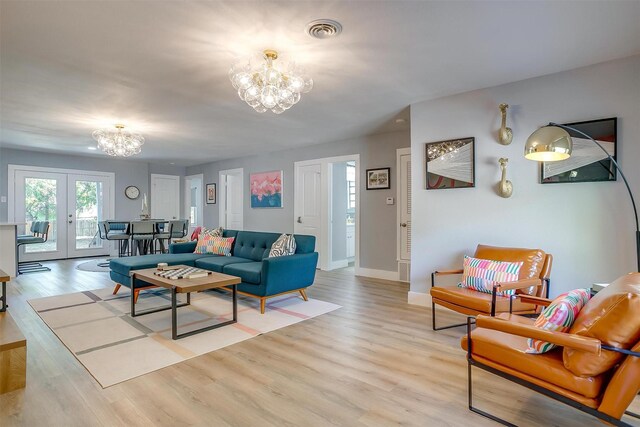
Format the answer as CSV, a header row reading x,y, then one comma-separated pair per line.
x,y
338,264
419,298
377,274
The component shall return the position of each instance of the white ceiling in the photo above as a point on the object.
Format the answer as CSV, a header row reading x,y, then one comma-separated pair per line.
x,y
69,67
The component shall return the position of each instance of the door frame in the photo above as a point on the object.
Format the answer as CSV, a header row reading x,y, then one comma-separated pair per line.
x,y
399,153
11,189
325,242
187,199
222,193
152,178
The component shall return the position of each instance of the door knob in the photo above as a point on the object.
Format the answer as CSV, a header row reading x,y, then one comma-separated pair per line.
x,y
404,224
70,221
299,220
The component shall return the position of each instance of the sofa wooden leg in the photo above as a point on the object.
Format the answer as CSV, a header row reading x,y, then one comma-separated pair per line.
x,y
262,304
303,292
117,288
136,294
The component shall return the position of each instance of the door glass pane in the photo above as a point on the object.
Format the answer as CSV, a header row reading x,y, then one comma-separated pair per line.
x,y
88,213
40,204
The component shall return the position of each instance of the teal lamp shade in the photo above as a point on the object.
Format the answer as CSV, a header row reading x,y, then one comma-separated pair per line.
x,y
548,144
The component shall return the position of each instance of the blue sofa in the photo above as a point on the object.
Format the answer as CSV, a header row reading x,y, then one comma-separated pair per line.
x,y
262,277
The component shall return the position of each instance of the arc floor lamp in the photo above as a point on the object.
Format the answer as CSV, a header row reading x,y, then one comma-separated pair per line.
x,y
553,142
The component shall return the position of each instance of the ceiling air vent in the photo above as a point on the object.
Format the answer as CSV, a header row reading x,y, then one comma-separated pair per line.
x,y
323,28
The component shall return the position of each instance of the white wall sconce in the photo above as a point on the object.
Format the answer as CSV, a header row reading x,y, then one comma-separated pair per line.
x,y
505,188
505,134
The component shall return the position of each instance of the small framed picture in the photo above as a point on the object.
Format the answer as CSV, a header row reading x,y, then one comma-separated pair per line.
x,y
211,194
379,179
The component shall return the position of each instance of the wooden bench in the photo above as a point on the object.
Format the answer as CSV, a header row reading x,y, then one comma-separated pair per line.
x,y
13,352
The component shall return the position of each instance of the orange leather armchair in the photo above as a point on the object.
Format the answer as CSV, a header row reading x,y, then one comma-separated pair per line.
x,y
533,281
596,367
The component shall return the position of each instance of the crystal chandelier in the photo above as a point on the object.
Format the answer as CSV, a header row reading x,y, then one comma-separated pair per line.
x,y
119,143
266,86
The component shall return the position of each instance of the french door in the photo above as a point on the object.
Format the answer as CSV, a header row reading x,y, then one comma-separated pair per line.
x,y
72,203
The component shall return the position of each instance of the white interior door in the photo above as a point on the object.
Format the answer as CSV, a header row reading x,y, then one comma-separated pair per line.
x,y
89,200
404,206
165,196
308,200
42,196
231,212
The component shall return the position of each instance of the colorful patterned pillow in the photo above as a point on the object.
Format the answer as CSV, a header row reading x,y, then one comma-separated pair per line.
x,y
482,274
208,244
285,245
558,316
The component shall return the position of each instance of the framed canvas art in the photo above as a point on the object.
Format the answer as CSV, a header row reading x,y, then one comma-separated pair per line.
x,y
450,164
211,194
379,179
588,163
266,189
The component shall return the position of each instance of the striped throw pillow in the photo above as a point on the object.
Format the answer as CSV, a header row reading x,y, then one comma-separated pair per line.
x,y
481,274
215,232
285,245
208,244
558,316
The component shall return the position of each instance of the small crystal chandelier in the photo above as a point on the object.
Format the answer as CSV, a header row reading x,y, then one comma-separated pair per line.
x,y
265,86
119,143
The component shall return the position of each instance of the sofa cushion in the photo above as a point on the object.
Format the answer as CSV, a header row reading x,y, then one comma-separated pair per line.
x,y
612,317
284,246
253,245
249,272
208,244
510,351
126,264
217,263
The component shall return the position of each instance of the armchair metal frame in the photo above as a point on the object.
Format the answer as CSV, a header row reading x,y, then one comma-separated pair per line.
x,y
563,399
520,284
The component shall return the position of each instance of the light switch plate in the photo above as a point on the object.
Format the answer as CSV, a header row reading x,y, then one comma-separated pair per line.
x,y
390,200
3,199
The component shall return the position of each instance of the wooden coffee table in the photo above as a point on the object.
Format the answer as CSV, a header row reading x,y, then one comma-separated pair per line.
x,y
185,286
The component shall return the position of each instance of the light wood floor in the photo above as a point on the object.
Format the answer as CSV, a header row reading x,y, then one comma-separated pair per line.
x,y
375,362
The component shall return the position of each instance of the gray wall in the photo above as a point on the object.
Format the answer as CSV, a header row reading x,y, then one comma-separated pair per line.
x,y
339,212
588,227
127,172
378,228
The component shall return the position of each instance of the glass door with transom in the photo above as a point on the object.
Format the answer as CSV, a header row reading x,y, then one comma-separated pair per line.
x,y
73,204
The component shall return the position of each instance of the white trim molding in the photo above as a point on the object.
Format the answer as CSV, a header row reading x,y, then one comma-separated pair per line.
x,y
376,274
419,298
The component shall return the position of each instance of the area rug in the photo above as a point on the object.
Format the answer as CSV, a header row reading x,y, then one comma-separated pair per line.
x,y
96,265
114,347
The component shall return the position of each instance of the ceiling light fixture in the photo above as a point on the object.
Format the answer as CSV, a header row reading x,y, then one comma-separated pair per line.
x,y
119,143
266,86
